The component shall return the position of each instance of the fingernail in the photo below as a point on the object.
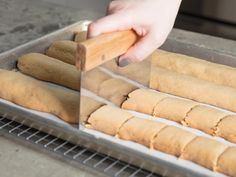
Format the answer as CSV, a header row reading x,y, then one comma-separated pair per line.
x,y
123,62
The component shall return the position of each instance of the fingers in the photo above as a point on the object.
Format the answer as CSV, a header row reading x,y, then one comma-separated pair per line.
x,y
142,49
110,23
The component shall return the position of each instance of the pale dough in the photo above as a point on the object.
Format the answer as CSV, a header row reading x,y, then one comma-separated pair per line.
x,y
33,94
108,119
227,162
196,67
227,128
115,90
143,100
49,69
204,151
63,50
204,118
193,88
140,130
172,140
81,36
92,79
174,109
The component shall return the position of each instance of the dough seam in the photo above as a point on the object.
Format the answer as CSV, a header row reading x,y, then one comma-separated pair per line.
x,y
117,133
153,111
156,135
215,128
184,121
99,88
181,156
216,162
127,97
86,122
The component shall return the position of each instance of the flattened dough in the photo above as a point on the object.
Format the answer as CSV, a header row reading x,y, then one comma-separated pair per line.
x,y
197,68
193,88
172,140
204,118
174,108
63,50
140,130
81,36
33,94
143,100
227,162
108,119
93,79
49,69
204,151
116,90
227,128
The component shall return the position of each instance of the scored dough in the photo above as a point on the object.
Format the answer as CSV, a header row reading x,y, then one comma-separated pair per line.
x,y
196,67
140,130
204,118
33,94
49,69
172,140
108,119
174,108
204,151
93,79
143,100
81,36
116,90
63,50
227,128
227,162
193,88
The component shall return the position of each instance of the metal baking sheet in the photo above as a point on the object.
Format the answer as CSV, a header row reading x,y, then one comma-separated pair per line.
x,y
128,151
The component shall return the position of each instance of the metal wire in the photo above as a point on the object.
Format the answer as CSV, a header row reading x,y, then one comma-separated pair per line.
x,y
95,160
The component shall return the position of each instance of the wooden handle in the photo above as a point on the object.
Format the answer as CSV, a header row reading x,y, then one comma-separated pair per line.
x,y
96,51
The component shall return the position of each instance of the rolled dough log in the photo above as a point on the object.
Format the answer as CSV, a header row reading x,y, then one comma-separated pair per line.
x,y
63,50
204,151
197,68
174,108
227,128
227,162
81,36
33,94
139,72
172,140
193,88
49,69
108,119
115,90
204,118
143,100
140,130
93,79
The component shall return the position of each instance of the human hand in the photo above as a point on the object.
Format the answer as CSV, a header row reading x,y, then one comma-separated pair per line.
x,y
152,20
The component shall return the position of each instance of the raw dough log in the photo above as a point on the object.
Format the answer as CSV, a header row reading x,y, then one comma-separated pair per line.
x,y
193,88
143,100
81,36
172,140
204,151
30,93
108,119
140,130
116,90
227,128
63,50
49,69
196,67
227,162
88,106
139,72
174,109
204,118
93,79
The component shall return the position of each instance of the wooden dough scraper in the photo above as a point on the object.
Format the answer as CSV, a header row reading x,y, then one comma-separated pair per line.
x,y
101,49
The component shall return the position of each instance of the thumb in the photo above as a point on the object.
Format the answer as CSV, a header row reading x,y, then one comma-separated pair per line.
x,y
110,23
141,50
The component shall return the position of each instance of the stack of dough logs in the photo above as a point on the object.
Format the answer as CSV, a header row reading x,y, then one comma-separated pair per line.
x,y
32,93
